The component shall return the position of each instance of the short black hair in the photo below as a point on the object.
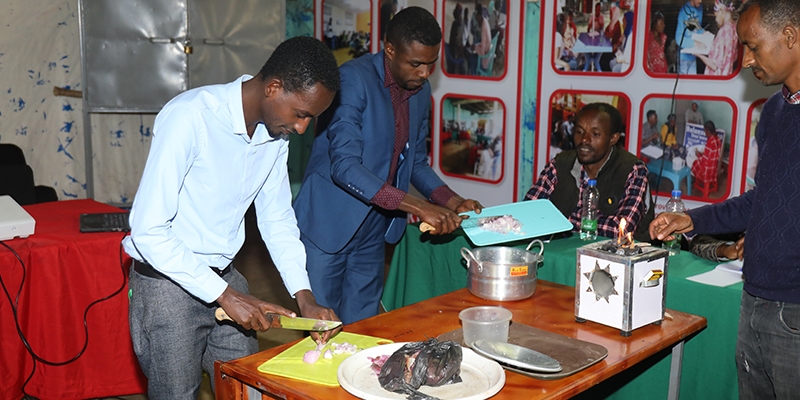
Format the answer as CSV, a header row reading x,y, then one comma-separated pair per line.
x,y
300,63
613,114
414,24
650,113
709,126
775,14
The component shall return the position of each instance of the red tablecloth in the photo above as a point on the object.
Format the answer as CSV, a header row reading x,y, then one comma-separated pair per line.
x,y
65,271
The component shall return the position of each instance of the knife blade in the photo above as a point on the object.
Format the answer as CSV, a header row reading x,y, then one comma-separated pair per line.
x,y
465,224
284,322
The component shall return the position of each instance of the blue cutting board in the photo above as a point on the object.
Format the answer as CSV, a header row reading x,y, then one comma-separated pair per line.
x,y
538,218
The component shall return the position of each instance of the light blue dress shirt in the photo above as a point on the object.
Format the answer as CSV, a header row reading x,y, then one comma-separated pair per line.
x,y
201,175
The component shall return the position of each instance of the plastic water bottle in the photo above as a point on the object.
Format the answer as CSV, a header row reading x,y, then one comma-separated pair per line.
x,y
589,211
675,205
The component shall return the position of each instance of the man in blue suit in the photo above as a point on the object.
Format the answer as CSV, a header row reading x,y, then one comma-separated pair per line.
x,y
354,196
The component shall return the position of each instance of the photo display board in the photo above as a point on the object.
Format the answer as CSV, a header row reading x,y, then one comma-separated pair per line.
x,y
691,109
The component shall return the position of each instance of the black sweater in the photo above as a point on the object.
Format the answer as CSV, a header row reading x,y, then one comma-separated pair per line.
x,y
770,212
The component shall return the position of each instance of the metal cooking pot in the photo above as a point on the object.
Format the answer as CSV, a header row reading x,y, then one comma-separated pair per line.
x,y
502,273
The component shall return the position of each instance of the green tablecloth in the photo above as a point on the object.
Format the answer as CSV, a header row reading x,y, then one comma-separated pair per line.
x,y
424,266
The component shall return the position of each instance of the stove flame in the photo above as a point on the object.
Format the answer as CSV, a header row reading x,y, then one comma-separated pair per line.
x,y
624,240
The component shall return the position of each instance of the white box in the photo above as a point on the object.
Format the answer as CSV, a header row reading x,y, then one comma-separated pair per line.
x,y
14,220
621,291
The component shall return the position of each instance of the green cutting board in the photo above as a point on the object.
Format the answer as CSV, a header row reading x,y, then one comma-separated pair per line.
x,y
289,363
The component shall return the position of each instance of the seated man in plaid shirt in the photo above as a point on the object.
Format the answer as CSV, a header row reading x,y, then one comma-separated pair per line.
x,y
621,177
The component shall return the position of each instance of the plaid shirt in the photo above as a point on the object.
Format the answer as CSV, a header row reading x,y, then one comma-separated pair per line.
x,y
632,206
791,98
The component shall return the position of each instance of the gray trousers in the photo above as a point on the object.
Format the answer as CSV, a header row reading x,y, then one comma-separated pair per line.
x,y
768,349
175,336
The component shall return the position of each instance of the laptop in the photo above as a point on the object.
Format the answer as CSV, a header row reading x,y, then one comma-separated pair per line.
x,y
105,222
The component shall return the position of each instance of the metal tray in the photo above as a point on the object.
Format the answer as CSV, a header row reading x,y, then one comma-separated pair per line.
x,y
574,355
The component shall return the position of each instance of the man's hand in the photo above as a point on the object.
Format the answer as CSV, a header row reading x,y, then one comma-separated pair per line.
x,y
310,309
442,220
733,251
460,205
665,224
249,311
739,245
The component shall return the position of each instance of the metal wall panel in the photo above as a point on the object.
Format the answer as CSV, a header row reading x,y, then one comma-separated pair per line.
x,y
133,54
231,38
139,54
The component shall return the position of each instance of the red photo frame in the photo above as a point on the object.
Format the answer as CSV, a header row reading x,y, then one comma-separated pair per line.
x,y
466,59
688,138
604,45
670,12
470,144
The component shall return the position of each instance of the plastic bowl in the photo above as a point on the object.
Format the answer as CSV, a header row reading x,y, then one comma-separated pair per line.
x,y
488,323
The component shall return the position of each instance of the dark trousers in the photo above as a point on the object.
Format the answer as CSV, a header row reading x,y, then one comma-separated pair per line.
x,y
768,349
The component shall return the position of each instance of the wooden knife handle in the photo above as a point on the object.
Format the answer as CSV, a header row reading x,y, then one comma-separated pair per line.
x,y
426,227
221,315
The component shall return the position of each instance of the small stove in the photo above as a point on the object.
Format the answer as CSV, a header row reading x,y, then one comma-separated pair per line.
x,y
621,284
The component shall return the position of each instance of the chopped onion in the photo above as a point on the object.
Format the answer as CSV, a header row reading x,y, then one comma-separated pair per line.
x,y
311,356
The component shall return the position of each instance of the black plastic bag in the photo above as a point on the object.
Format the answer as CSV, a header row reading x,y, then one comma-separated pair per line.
x,y
430,363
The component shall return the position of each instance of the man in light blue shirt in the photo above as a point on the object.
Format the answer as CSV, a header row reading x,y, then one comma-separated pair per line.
x,y
690,21
216,150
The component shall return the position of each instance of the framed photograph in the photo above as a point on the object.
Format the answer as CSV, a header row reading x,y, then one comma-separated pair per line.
x,y
565,104
694,38
387,10
346,28
594,37
751,146
472,137
475,33
688,147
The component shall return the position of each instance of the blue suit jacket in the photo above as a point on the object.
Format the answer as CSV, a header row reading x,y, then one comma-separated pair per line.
x,y
350,159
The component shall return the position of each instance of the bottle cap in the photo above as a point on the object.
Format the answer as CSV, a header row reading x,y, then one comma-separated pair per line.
x,y
676,193
592,182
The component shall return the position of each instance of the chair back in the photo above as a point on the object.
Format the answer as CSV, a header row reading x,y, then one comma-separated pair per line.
x,y
17,181
11,154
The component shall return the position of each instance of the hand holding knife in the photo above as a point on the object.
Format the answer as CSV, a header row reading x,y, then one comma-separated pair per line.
x,y
284,322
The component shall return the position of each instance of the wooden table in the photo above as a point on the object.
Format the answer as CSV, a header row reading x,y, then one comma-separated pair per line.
x,y
551,308
426,266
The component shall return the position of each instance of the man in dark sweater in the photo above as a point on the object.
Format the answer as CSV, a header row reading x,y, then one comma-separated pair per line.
x,y
621,177
768,346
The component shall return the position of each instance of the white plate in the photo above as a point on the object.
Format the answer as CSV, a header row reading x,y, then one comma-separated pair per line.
x,y
481,377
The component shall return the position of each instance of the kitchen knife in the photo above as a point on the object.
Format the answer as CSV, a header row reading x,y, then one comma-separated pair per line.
x,y
465,224
282,321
